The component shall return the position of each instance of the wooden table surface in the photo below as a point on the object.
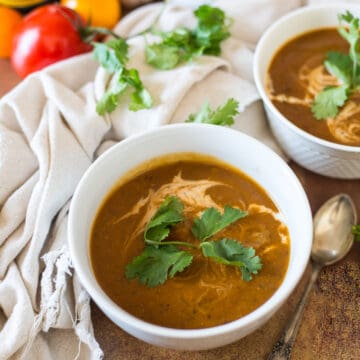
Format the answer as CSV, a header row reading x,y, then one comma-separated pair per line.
x,y
331,325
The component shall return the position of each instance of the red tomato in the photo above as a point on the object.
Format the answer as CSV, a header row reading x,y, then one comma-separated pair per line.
x,y
46,35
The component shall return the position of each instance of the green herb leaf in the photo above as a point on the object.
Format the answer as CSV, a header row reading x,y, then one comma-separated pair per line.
x,y
345,67
223,115
155,265
113,57
356,231
339,65
231,252
162,56
350,32
110,99
327,102
183,44
140,98
212,221
211,30
168,215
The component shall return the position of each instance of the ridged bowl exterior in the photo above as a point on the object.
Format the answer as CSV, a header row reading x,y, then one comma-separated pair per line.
x,y
313,156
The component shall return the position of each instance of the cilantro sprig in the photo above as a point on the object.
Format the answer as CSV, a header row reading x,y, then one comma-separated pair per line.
x,y
345,67
183,44
113,56
356,231
223,115
161,260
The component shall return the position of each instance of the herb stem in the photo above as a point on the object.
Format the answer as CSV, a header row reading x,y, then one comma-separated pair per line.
x,y
354,64
181,243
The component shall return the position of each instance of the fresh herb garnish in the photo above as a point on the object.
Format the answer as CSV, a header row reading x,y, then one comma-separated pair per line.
x,y
345,67
223,115
184,44
113,57
179,45
231,252
356,231
168,215
155,265
161,260
212,221
328,101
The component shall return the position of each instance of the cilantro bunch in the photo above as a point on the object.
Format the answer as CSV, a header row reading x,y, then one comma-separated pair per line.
x,y
161,260
113,57
183,44
346,67
179,45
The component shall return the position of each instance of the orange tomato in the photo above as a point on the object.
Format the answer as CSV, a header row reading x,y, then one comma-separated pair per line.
x,y
102,13
8,20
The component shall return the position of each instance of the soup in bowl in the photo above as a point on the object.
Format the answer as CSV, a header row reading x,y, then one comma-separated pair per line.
x,y
189,236
304,73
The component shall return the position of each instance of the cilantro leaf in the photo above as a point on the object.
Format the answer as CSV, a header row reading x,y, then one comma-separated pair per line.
x,y
212,221
155,265
327,102
168,215
211,30
223,115
356,231
176,46
110,99
162,56
140,98
339,65
231,252
184,44
113,57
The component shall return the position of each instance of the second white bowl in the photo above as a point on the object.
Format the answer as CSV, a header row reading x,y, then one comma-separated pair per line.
x,y
320,156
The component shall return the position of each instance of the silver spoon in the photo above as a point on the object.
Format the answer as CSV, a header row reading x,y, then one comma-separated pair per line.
x,y
332,241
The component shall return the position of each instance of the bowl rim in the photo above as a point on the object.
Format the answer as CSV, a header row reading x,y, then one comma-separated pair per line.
x,y
251,319
265,38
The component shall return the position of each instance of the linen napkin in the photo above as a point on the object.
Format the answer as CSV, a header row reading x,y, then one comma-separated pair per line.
x,y
49,135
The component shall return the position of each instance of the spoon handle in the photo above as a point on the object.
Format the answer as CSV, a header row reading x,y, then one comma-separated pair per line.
x,y
282,349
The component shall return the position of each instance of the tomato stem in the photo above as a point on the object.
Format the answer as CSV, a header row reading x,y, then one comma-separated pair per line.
x,y
88,33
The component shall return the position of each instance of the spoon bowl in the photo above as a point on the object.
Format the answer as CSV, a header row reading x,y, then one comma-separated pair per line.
x,y
331,242
332,230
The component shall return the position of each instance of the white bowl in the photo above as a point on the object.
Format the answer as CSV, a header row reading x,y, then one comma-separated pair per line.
x,y
317,155
231,146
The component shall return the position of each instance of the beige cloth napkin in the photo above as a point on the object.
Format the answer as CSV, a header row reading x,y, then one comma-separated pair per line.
x,y
50,134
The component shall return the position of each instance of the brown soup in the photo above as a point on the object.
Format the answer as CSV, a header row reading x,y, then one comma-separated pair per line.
x,y
206,293
297,75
